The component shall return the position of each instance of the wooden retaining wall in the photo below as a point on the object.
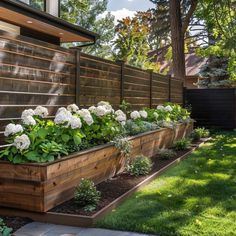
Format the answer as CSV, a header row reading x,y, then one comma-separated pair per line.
x,y
35,73
40,187
213,108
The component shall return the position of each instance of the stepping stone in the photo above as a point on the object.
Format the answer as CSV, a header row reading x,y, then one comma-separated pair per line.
x,y
42,229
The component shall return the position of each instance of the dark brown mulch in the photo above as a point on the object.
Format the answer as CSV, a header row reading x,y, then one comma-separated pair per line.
x,y
15,222
115,187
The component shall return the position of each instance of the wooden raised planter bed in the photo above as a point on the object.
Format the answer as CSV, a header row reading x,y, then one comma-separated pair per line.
x,y
40,187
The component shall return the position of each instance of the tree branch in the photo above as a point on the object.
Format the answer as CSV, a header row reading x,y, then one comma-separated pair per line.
x,y
188,16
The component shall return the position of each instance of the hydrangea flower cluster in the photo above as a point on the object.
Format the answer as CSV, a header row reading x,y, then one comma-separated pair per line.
x,y
12,129
120,116
22,142
70,126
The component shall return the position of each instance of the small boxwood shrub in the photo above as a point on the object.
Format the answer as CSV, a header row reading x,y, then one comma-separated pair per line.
x,y
166,154
182,144
141,165
86,195
4,230
199,133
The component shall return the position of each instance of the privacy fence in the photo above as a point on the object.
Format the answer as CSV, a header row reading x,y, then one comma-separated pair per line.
x,y
214,108
36,73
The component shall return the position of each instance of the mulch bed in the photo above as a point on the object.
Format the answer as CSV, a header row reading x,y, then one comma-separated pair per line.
x,y
15,222
115,187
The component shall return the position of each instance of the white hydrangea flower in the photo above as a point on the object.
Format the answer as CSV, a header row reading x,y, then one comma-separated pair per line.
x,y
107,106
12,129
75,122
41,111
25,113
73,108
143,114
101,111
22,142
88,119
160,107
103,103
63,116
120,116
169,108
29,120
83,113
92,109
156,115
135,115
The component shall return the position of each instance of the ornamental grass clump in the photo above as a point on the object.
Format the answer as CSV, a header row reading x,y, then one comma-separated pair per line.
x,y
141,165
86,195
200,133
182,144
166,154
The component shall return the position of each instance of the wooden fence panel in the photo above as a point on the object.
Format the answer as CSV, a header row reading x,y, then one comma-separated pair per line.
x,y
99,80
36,73
33,73
136,87
160,89
176,91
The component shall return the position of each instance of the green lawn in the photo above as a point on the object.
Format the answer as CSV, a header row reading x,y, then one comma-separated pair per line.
x,y
197,197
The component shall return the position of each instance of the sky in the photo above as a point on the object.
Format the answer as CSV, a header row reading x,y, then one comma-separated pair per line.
x,y
124,8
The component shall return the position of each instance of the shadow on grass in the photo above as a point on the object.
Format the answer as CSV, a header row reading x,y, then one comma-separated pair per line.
x,y
198,197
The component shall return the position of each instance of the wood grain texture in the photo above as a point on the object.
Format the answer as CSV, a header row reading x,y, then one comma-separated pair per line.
x,y
40,187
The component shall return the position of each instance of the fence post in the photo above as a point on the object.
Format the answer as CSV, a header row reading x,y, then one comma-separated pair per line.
x,y
169,85
150,87
184,95
77,76
121,63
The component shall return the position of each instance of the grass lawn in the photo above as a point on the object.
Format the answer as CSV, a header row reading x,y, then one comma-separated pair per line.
x,y
197,197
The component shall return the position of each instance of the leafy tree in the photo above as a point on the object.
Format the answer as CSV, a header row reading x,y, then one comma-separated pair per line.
x,y
132,43
89,14
219,17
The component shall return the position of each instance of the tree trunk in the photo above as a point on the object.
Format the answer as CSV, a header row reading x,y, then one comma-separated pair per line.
x,y
177,40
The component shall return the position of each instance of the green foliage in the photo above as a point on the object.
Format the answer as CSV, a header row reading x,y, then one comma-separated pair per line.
x,y
167,154
138,126
125,106
123,144
219,17
86,195
141,165
182,144
85,13
131,44
103,130
4,230
199,133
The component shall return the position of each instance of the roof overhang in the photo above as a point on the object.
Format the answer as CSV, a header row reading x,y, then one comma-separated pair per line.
x,y
20,14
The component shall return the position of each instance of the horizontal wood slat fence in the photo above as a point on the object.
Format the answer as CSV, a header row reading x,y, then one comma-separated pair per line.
x,y
37,73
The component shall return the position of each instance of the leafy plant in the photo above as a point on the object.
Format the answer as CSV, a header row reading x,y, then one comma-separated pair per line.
x,y
167,154
123,144
86,195
199,133
4,230
182,144
141,165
